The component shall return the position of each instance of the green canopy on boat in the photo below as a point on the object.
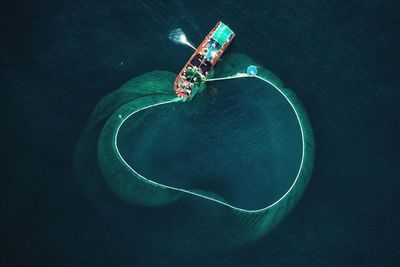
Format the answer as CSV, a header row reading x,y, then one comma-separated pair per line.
x,y
222,34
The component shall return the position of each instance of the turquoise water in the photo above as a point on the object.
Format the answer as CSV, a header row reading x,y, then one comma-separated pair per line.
x,y
239,139
60,58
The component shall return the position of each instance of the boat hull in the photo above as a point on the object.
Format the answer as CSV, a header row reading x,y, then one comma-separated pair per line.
x,y
200,63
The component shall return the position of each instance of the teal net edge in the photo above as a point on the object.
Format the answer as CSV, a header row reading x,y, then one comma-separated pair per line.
x,y
133,188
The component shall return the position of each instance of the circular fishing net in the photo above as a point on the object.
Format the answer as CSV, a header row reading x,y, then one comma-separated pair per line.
x,y
228,164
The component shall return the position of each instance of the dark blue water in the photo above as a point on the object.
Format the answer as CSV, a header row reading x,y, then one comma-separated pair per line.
x,y
59,59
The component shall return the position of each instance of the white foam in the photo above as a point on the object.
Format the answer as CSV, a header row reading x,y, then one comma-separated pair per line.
x,y
179,37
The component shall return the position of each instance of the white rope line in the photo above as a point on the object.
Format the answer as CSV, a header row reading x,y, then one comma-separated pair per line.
x,y
238,75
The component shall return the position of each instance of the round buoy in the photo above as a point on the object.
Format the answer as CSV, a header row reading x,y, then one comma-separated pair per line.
x,y
252,70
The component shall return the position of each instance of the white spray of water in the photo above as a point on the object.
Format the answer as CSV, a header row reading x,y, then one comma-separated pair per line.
x,y
179,37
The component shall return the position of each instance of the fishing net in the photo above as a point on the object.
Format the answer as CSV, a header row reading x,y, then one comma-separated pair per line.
x,y
224,167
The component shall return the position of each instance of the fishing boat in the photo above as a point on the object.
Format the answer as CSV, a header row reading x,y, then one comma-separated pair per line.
x,y
203,59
